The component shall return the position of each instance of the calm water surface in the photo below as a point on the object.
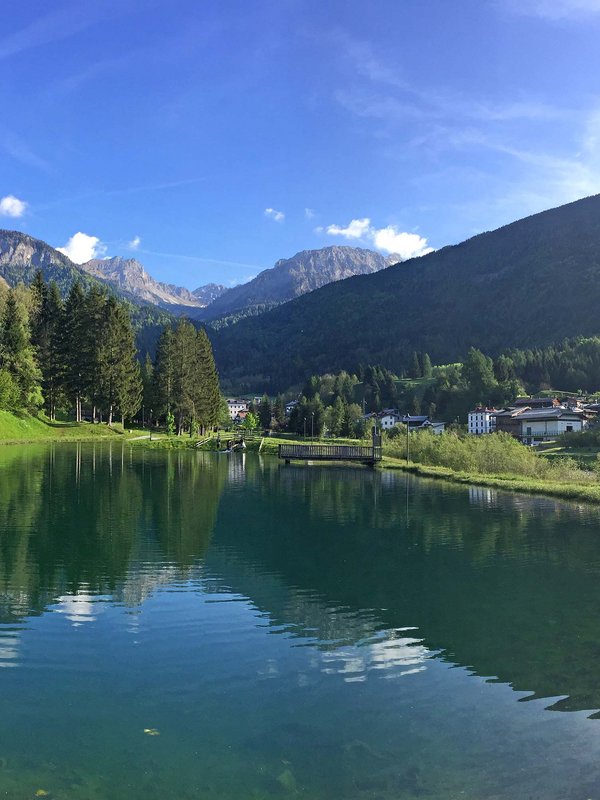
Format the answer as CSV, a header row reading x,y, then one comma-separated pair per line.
x,y
187,625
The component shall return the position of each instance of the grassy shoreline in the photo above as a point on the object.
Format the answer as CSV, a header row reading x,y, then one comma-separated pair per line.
x,y
512,483
32,430
24,429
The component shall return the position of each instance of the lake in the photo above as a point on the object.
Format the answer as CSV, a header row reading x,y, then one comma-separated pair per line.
x,y
177,624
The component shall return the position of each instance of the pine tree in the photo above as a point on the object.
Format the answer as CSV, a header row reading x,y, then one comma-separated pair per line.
x,y
265,412
164,373
48,345
415,368
279,411
74,356
210,393
38,295
148,401
95,314
17,356
427,369
119,379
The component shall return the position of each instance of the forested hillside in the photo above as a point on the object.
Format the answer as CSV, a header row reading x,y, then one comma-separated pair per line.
x,y
531,283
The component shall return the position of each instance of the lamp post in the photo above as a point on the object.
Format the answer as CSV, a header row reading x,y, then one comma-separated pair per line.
x,y
407,438
312,425
305,427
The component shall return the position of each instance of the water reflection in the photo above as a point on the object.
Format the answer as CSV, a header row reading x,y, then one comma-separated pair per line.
x,y
502,584
289,632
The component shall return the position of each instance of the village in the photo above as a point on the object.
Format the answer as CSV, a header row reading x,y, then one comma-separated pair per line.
x,y
530,420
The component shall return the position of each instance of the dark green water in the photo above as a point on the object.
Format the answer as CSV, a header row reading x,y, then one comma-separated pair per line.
x,y
289,632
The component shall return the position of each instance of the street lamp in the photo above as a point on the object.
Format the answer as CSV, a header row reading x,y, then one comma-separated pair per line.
x,y
312,424
407,438
305,427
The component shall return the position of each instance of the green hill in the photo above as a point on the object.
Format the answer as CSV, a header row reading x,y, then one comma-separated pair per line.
x,y
531,283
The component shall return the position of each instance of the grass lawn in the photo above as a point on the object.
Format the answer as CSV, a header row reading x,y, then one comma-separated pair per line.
x,y
23,428
585,456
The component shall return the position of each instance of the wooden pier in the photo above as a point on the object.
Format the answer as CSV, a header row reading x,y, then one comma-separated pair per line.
x,y
333,452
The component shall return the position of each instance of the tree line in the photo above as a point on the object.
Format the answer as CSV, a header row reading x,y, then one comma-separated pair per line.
x,y
65,356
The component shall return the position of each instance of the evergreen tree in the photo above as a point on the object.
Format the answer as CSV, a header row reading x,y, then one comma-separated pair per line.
x,y
209,405
164,372
38,295
427,369
17,356
119,382
415,367
74,350
279,411
186,376
48,345
96,318
265,412
147,370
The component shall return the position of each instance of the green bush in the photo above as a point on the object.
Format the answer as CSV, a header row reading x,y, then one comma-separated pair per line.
x,y
494,454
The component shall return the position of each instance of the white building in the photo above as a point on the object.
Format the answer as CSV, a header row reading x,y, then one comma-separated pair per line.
x,y
543,425
235,406
388,418
482,420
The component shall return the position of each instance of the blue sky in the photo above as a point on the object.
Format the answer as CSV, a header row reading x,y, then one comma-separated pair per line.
x,y
209,139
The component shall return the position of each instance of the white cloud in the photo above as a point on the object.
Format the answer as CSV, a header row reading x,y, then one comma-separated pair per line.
x,y
406,245
389,240
278,216
309,213
135,243
357,229
11,206
81,248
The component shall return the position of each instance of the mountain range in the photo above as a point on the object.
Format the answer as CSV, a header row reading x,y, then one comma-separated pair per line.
x,y
22,255
531,283
128,275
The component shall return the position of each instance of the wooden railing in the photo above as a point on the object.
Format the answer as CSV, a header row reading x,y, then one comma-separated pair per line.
x,y
330,452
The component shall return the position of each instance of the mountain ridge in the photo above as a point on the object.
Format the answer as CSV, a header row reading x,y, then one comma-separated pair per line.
x,y
300,274
131,276
530,283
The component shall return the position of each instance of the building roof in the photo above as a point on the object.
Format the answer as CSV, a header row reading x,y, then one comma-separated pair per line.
x,y
511,411
551,413
536,402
